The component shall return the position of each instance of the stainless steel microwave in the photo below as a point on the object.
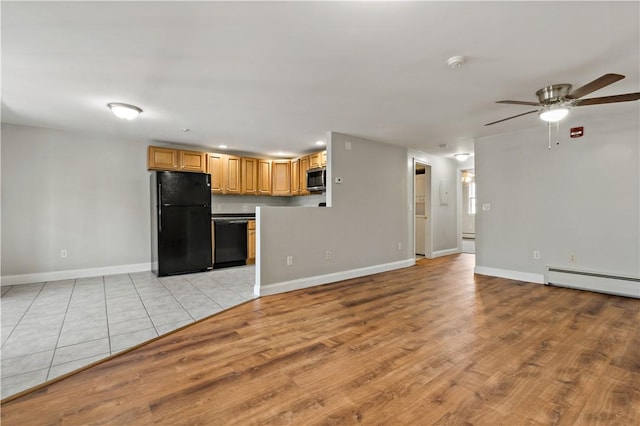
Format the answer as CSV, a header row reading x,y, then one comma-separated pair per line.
x,y
316,179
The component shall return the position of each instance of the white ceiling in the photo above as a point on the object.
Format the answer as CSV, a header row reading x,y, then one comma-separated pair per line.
x,y
265,77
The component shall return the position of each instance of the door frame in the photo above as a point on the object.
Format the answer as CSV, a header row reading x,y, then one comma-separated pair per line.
x,y
428,212
460,230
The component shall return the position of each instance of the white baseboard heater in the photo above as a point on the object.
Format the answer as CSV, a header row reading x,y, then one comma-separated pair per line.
x,y
621,285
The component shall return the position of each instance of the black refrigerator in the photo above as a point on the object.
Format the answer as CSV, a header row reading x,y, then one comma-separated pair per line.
x,y
180,222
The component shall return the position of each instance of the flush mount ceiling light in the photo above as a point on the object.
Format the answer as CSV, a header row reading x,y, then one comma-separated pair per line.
x,y
462,156
554,113
222,146
124,111
320,143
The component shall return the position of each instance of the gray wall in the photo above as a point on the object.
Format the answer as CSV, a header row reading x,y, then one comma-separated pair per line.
x,y
367,219
86,193
581,197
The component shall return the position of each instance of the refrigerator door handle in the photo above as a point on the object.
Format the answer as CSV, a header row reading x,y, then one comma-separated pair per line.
x,y
159,207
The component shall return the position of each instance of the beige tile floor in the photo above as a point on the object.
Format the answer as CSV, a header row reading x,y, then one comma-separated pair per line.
x,y
52,328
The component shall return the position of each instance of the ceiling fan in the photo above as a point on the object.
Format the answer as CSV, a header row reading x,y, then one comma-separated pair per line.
x,y
555,101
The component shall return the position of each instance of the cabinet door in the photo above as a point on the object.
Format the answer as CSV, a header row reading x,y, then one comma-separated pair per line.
x,y
281,177
251,242
323,161
162,158
295,177
304,166
216,170
249,178
315,160
232,174
193,161
264,177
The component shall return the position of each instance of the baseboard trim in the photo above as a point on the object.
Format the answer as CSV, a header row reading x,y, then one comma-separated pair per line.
x,y
71,274
447,252
301,283
512,275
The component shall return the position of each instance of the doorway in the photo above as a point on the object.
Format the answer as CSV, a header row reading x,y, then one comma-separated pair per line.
x,y
422,210
468,213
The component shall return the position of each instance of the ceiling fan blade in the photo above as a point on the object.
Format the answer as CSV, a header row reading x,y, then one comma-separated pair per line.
x,y
509,118
609,99
518,103
596,84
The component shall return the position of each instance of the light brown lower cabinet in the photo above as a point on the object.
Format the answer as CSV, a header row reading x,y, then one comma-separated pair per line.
x,y
251,242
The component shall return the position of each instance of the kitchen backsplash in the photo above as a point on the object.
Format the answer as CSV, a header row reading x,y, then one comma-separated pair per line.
x,y
248,203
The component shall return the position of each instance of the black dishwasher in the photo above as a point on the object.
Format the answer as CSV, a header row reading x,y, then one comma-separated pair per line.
x,y
230,242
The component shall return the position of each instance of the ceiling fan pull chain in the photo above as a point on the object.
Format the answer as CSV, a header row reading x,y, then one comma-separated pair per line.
x,y
557,133
549,126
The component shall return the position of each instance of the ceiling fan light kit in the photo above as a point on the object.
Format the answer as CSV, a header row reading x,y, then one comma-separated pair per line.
x,y
555,101
554,113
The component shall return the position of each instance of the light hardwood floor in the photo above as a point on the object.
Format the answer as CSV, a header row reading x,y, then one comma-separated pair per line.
x,y
430,344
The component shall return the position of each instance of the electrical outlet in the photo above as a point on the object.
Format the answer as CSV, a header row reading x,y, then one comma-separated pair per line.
x,y
63,253
327,255
572,258
289,260
536,254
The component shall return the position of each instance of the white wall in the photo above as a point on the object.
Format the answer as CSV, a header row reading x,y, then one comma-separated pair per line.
x,y
581,197
86,193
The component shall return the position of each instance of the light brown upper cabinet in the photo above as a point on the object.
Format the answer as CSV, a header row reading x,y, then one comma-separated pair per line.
x,y
225,173
249,177
193,161
264,177
295,177
281,177
232,168
304,166
160,158
216,170
318,159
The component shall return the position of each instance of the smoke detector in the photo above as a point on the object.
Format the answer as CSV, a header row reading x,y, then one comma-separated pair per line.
x,y
455,61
